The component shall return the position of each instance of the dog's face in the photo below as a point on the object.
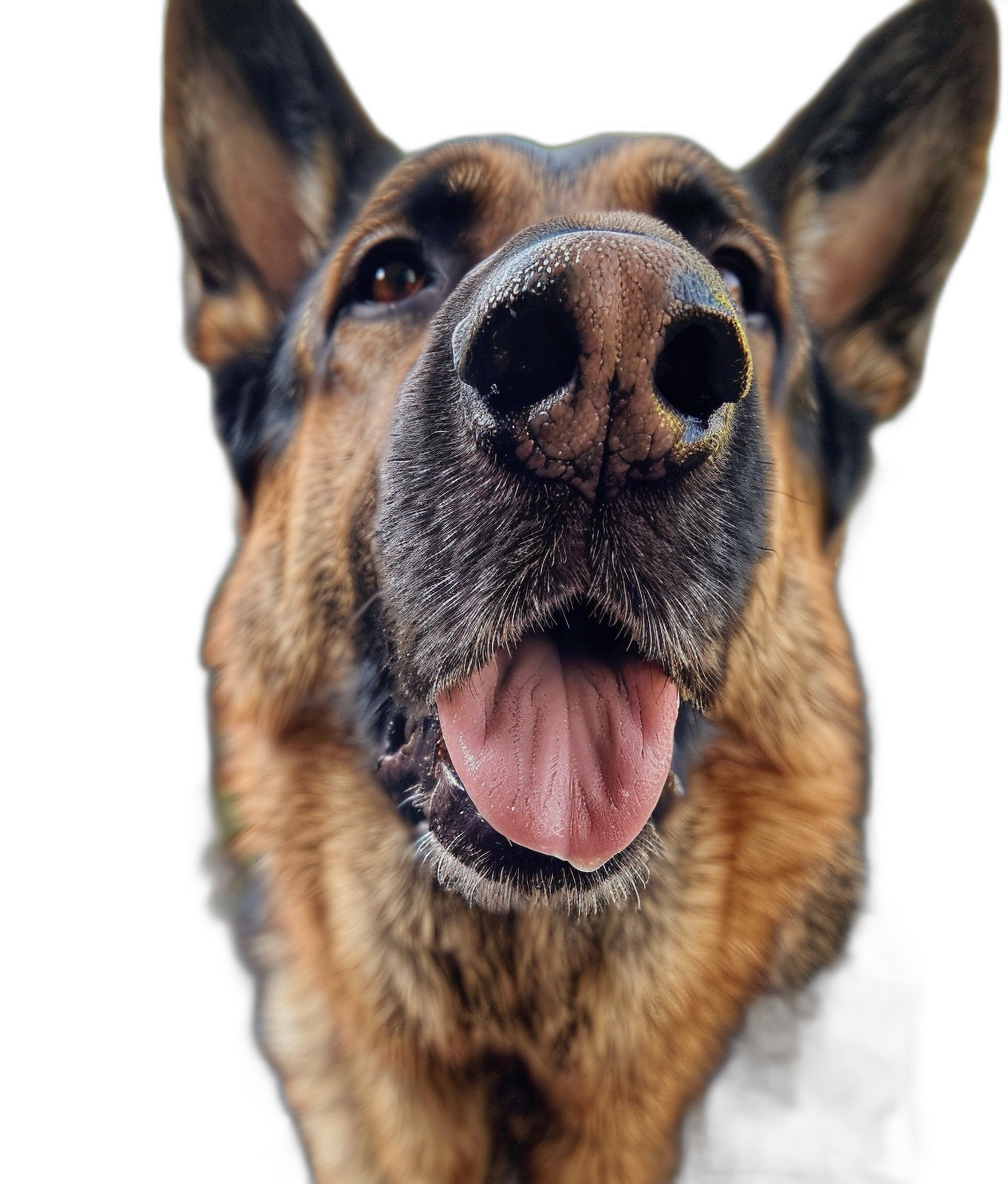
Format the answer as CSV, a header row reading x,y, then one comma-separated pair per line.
x,y
563,506
545,453
521,512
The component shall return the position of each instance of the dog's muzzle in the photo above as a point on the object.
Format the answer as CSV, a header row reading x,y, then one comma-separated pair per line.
x,y
555,566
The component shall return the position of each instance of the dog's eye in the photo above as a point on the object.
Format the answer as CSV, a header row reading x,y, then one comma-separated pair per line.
x,y
390,272
734,286
742,278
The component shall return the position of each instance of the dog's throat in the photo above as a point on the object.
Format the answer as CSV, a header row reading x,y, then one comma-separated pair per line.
x,y
563,753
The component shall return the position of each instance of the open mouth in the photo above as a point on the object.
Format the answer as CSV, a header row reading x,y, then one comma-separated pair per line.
x,y
541,774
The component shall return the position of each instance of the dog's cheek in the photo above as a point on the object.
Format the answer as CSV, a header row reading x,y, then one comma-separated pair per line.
x,y
279,632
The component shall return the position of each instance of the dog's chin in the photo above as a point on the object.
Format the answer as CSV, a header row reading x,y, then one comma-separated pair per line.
x,y
467,856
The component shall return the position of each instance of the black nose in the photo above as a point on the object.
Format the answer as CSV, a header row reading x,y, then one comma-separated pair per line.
x,y
604,354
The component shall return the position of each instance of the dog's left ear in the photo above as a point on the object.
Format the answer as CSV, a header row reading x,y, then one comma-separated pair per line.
x,y
267,151
268,154
874,185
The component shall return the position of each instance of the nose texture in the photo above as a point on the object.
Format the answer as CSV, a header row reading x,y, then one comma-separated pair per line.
x,y
603,353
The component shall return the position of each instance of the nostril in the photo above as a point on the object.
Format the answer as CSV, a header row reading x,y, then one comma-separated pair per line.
x,y
520,357
702,366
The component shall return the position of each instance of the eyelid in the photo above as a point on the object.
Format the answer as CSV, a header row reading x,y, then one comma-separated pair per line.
x,y
382,258
746,261
367,256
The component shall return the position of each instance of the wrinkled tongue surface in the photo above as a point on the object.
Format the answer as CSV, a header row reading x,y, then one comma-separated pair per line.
x,y
564,754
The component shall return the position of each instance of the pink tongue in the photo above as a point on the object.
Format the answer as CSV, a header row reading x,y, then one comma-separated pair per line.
x,y
565,755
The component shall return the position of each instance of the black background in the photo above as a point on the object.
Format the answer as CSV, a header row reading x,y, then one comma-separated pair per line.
x,y
919,580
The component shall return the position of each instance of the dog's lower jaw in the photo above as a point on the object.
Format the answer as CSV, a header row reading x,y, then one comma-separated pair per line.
x,y
616,884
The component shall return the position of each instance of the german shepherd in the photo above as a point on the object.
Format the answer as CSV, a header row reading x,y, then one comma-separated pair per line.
x,y
540,745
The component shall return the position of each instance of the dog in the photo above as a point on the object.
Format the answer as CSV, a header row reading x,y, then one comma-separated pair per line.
x,y
540,744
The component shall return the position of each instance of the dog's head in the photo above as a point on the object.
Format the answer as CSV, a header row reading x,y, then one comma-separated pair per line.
x,y
545,454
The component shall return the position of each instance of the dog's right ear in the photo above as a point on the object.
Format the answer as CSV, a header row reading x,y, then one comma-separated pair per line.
x,y
267,151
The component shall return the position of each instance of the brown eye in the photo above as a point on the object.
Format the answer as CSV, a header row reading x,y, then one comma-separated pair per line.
x,y
743,279
395,281
389,273
734,286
